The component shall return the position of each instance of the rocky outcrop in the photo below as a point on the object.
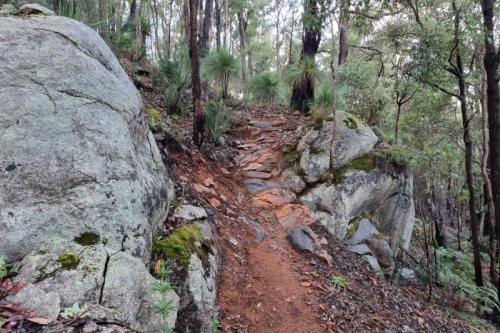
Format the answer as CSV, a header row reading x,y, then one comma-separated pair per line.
x,y
83,185
363,184
353,139
195,252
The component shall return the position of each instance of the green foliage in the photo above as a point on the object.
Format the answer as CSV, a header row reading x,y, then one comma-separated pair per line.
x,y
181,244
266,87
217,119
220,66
216,326
156,121
69,260
164,307
324,96
304,70
340,282
174,76
71,311
4,268
456,272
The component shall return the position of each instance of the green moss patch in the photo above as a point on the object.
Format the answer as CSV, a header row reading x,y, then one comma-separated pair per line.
x,y
291,158
181,244
351,122
88,239
366,163
69,260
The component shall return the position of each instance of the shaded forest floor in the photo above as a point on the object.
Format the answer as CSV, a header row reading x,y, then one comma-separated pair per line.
x,y
265,284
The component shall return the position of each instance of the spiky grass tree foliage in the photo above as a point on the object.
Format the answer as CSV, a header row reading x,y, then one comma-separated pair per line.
x,y
324,96
303,77
266,87
174,76
220,67
218,120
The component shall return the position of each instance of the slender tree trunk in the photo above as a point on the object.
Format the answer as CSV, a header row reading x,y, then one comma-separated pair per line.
x,y
491,62
217,23
103,19
207,23
334,106
242,27
344,32
226,21
396,127
138,32
169,31
198,118
186,20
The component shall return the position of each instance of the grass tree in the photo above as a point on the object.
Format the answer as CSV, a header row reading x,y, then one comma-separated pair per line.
x,y
266,87
220,67
303,77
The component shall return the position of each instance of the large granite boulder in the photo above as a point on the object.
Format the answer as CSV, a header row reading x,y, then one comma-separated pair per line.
x,y
387,197
353,139
79,169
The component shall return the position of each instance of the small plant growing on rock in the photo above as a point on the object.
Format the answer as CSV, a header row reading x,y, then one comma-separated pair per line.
x,y
4,268
163,307
216,326
71,311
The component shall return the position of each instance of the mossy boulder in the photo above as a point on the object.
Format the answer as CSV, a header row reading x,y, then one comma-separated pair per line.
x,y
353,140
182,243
365,163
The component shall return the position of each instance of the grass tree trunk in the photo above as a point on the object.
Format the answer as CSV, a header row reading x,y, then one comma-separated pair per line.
x,y
198,119
303,90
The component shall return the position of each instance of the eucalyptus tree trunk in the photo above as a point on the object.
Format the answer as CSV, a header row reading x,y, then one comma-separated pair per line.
x,y
242,27
138,31
103,19
207,23
460,75
198,118
344,32
491,63
217,24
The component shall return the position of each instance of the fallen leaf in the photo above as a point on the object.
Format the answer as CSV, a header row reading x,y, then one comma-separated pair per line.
x,y
40,320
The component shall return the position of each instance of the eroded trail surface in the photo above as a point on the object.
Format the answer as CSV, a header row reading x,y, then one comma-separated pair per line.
x,y
265,284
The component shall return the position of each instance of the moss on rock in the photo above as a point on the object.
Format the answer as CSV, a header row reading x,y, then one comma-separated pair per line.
x,y
291,158
182,243
366,163
69,260
88,239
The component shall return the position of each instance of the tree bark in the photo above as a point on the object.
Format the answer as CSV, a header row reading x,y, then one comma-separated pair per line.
x,y
303,90
103,18
138,32
344,32
217,23
491,61
207,23
198,118
242,27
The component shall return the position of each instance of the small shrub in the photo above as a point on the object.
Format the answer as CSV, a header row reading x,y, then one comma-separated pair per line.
x,y
320,113
218,119
4,268
174,76
163,307
71,311
340,282
155,119
266,87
